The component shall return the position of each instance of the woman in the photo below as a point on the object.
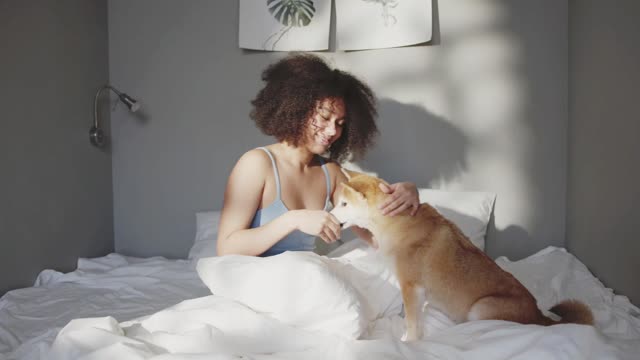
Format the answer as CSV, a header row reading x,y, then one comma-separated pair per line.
x,y
278,197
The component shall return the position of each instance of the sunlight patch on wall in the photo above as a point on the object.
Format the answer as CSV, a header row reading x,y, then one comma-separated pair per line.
x,y
488,99
463,17
483,70
472,56
499,175
491,104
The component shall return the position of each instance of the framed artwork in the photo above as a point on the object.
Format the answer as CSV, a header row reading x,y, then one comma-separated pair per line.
x,y
284,25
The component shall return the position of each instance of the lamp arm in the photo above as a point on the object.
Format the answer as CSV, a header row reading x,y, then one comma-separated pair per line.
x,y
95,103
96,134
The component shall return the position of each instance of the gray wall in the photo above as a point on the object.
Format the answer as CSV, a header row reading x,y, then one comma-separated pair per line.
x,y
604,152
55,190
484,108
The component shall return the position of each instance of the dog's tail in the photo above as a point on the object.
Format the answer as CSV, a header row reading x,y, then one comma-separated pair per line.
x,y
571,312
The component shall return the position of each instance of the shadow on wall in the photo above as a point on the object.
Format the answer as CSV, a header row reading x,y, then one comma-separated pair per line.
x,y
512,238
415,145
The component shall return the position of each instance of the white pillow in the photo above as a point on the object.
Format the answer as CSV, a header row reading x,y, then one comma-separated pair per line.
x,y
205,242
298,288
469,210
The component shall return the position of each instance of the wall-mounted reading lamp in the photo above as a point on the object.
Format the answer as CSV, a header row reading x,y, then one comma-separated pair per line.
x,y
96,134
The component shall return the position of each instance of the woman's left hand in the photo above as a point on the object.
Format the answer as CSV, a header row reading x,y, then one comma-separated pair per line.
x,y
403,195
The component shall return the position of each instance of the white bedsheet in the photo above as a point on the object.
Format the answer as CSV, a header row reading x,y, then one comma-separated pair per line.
x,y
216,327
114,285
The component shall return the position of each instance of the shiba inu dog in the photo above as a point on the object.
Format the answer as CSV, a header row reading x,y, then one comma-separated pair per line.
x,y
434,261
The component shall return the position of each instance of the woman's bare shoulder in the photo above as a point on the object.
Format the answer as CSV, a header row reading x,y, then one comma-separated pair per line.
x,y
335,171
254,163
254,158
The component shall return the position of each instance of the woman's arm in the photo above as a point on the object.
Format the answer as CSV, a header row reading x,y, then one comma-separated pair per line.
x,y
241,200
402,196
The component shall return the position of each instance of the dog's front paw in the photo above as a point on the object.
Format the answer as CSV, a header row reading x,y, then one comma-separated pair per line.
x,y
405,337
411,336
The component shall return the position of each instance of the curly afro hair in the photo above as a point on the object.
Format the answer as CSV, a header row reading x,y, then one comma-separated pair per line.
x,y
294,86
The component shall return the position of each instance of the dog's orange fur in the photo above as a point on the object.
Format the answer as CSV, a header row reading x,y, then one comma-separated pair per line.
x,y
431,254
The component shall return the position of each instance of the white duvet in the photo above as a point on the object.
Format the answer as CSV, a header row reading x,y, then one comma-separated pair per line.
x,y
305,306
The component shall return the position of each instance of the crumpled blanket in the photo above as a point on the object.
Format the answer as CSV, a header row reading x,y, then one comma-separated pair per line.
x,y
300,305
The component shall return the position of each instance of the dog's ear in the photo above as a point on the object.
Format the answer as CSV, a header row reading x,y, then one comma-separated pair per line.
x,y
349,191
348,173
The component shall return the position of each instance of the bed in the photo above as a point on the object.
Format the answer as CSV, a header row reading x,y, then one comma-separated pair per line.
x,y
114,285
342,305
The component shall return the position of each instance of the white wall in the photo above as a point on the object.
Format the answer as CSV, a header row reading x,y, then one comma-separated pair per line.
x,y
484,108
604,153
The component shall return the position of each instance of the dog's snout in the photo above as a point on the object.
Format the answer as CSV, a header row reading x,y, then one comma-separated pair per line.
x,y
342,225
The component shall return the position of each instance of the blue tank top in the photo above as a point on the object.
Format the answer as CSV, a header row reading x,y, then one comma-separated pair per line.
x,y
296,240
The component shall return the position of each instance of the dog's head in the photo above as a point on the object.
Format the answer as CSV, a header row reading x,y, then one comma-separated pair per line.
x,y
357,200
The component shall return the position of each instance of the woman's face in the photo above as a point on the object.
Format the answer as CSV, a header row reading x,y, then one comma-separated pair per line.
x,y
325,125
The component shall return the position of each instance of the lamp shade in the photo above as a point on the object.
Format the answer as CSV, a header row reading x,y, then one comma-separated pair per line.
x,y
131,103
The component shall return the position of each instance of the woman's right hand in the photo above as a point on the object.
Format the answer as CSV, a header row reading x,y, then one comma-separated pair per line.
x,y
317,222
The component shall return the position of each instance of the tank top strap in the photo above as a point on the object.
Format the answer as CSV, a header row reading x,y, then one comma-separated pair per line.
x,y
328,180
275,170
